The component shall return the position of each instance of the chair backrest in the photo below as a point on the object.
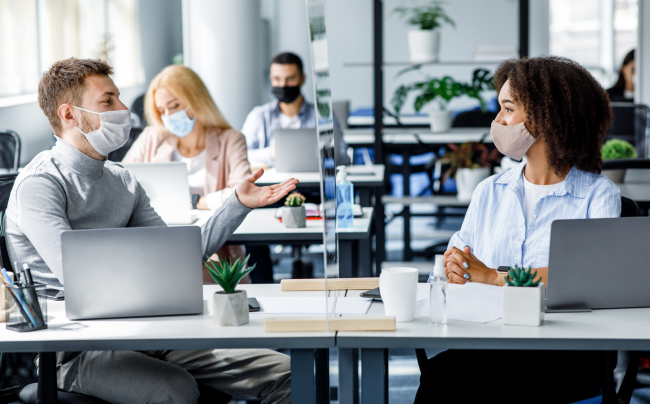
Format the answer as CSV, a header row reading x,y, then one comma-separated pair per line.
x,y
138,108
6,184
118,155
9,150
631,123
629,208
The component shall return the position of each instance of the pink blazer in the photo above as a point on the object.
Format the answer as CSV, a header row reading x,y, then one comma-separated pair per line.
x,y
226,160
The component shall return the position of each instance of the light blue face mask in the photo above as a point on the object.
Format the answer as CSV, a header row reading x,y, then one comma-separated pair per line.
x,y
179,123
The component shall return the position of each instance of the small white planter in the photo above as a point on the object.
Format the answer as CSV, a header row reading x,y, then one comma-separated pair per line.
x,y
424,45
523,305
617,176
440,121
467,179
293,217
230,309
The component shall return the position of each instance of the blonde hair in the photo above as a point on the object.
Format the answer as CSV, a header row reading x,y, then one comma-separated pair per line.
x,y
188,87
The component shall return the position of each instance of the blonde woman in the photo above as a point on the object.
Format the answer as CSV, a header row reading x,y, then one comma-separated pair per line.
x,y
186,125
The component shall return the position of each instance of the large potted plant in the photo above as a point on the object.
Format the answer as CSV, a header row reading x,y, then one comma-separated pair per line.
x,y
293,211
424,42
523,298
617,149
470,163
230,305
442,91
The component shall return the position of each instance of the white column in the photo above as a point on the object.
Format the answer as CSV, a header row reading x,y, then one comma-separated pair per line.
x,y
642,55
222,43
538,35
293,36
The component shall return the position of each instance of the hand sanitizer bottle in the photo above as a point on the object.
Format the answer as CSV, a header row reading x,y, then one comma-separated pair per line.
x,y
344,199
438,292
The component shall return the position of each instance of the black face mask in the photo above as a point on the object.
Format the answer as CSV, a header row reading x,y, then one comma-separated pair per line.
x,y
286,94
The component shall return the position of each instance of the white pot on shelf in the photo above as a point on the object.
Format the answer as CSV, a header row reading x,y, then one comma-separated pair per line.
x,y
424,45
440,121
467,179
230,309
523,305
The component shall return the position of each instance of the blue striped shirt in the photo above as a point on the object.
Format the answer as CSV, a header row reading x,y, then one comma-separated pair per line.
x,y
495,228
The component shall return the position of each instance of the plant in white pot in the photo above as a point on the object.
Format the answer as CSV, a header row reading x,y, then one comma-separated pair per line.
x,y
230,305
293,211
617,149
424,42
470,163
523,298
442,91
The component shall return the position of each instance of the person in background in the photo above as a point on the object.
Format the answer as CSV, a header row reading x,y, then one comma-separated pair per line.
x,y
623,90
186,126
556,113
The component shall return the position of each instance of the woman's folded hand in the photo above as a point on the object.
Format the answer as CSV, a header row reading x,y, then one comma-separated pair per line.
x,y
462,266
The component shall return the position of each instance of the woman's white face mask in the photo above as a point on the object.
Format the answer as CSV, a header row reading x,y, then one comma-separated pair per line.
x,y
112,134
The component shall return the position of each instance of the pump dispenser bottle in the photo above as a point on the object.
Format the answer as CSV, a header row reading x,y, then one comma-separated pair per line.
x,y
344,199
438,292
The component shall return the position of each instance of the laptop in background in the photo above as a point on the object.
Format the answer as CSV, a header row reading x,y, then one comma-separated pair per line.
x,y
296,150
168,189
598,264
132,272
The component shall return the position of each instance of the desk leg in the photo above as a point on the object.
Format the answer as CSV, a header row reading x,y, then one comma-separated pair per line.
x,y
374,376
348,376
364,197
47,390
346,259
322,376
303,381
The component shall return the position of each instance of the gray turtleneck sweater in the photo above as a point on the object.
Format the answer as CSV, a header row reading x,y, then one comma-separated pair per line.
x,y
63,189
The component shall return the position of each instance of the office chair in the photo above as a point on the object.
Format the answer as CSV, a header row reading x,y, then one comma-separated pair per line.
x,y
9,150
631,123
138,108
629,208
118,155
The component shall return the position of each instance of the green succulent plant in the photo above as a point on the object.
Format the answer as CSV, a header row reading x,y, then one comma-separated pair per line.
x,y
294,200
227,274
618,149
518,276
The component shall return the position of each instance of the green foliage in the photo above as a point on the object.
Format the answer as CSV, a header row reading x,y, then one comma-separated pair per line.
x,y
426,17
518,276
227,274
468,155
443,90
294,200
618,149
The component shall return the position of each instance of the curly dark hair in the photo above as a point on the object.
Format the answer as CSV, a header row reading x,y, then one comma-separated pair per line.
x,y
565,106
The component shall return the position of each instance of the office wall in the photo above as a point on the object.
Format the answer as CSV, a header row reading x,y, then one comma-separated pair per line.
x,y
642,57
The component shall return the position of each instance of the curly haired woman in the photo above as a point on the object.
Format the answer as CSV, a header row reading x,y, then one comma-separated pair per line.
x,y
554,112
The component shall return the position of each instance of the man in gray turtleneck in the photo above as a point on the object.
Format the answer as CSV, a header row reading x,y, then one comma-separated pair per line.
x,y
73,187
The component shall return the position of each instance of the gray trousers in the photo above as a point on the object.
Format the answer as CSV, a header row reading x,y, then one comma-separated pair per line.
x,y
161,377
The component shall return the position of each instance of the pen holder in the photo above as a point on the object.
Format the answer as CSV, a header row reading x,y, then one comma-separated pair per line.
x,y
24,309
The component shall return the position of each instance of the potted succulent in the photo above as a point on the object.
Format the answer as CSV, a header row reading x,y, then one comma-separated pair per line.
x,y
442,91
523,298
230,305
293,211
470,163
424,42
617,149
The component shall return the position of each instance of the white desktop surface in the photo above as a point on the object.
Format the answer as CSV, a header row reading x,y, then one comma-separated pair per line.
x,y
408,136
621,329
173,332
261,223
376,178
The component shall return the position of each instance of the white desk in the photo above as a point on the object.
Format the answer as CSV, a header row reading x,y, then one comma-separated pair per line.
x,y
177,332
608,330
261,227
410,136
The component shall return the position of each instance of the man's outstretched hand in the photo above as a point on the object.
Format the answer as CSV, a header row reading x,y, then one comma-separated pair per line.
x,y
252,196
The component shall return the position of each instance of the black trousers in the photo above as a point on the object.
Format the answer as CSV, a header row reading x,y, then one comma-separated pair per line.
x,y
473,376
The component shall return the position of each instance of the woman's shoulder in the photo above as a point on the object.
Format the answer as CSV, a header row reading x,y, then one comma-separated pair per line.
x,y
596,183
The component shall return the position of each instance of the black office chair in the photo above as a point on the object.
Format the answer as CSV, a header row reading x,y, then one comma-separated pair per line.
x,y
9,150
118,155
631,123
138,108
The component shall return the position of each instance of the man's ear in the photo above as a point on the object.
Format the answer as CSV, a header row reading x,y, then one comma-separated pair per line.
x,y
304,79
65,112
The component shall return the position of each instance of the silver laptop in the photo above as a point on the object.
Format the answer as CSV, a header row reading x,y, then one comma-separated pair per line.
x,y
132,272
167,187
296,150
599,264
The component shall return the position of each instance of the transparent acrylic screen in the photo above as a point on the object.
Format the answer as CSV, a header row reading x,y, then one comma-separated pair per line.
x,y
325,131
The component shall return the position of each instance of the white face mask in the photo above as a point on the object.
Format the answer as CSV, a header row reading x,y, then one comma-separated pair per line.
x,y
112,134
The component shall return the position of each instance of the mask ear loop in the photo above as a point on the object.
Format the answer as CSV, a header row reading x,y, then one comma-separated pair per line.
x,y
87,110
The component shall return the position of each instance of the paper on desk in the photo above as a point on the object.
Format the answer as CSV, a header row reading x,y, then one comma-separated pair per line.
x,y
473,302
313,305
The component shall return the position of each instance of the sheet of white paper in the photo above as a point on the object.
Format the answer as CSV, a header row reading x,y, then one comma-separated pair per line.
x,y
312,305
473,302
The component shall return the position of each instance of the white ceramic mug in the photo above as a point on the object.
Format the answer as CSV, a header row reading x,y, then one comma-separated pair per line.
x,y
398,288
